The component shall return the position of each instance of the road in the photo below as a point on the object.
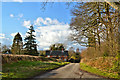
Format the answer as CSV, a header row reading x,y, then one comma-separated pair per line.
x,y
71,70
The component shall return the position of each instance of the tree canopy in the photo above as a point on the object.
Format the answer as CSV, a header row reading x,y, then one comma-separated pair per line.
x,y
17,44
96,24
57,46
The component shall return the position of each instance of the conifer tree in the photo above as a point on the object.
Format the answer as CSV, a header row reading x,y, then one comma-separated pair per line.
x,y
30,43
17,45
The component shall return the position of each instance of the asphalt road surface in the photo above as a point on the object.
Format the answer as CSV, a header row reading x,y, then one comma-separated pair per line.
x,y
71,70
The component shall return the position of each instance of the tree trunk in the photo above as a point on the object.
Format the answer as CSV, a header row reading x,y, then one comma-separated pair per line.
x,y
118,54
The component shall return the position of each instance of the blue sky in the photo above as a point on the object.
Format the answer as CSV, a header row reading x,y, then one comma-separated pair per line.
x,y
31,11
51,25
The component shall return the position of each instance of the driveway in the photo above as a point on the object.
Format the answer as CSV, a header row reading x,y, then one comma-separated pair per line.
x,y
71,70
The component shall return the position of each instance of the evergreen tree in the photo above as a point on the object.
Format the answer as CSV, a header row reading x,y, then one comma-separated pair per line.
x,y
30,43
17,44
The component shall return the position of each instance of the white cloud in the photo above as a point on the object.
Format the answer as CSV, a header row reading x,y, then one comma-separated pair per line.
x,y
27,23
46,48
13,34
17,0
47,35
75,46
11,15
38,21
4,39
2,35
47,21
55,21
18,16
50,31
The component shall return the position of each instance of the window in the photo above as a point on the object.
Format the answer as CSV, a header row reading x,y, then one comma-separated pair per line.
x,y
48,56
65,59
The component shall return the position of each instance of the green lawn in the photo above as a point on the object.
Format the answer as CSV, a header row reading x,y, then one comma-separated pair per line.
x,y
27,69
97,71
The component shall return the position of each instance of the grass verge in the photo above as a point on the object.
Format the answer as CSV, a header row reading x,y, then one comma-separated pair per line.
x,y
27,69
98,72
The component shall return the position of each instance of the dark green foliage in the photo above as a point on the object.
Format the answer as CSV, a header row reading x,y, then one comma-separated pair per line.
x,y
58,46
7,51
30,43
106,54
17,45
75,57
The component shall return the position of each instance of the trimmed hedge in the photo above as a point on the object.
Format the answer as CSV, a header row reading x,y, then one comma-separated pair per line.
x,y
8,58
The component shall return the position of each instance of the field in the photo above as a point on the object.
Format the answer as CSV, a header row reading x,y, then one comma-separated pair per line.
x,y
28,69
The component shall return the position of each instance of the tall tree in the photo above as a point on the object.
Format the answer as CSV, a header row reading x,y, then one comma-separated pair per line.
x,y
85,23
94,22
17,44
30,42
97,22
118,39
115,5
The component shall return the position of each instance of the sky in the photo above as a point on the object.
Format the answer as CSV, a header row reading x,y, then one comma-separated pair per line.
x,y
51,24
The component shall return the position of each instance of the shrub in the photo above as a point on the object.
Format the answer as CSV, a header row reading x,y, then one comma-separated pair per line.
x,y
105,54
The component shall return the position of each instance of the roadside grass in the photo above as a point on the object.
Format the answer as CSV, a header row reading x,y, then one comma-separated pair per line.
x,y
98,72
27,69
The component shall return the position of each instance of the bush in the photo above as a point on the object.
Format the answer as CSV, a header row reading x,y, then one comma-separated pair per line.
x,y
105,54
102,63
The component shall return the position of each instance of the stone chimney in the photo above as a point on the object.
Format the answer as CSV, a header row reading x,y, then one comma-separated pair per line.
x,y
62,50
77,50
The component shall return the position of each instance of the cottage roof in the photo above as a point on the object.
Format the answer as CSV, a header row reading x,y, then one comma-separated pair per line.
x,y
57,53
